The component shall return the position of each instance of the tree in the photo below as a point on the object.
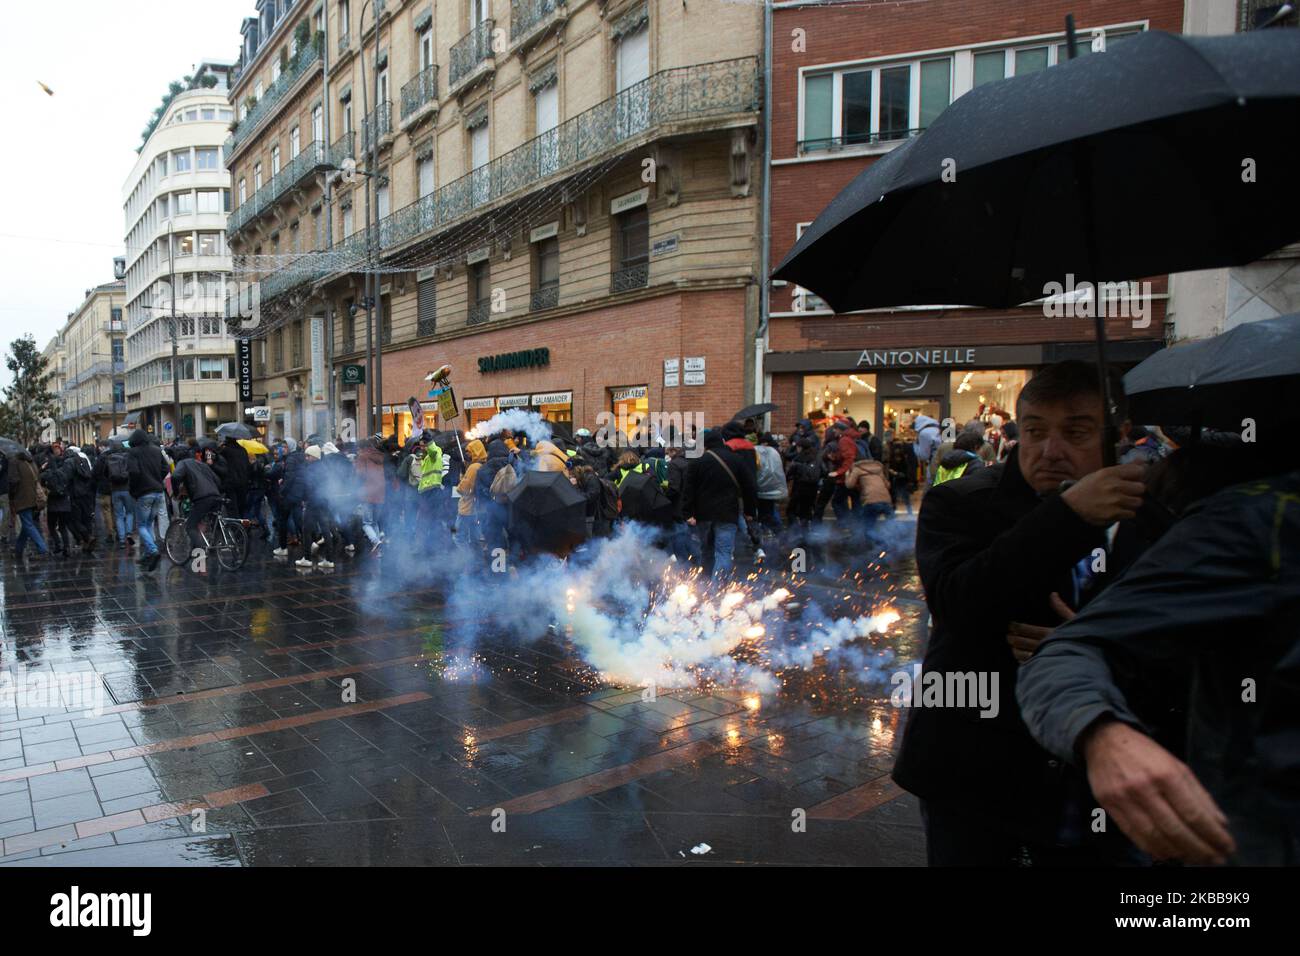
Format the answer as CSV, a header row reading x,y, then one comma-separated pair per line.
x,y
28,401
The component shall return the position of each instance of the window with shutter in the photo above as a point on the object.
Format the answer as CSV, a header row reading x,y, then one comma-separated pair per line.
x,y
427,308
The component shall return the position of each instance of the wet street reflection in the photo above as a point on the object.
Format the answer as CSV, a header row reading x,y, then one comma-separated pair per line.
x,y
274,717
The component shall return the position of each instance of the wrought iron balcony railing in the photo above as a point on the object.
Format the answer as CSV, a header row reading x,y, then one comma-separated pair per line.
x,y
422,89
629,277
831,143
670,96
312,157
345,41
526,14
307,60
471,50
479,312
379,123
547,297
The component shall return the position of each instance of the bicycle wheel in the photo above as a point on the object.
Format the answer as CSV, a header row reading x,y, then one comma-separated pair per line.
x,y
177,542
232,546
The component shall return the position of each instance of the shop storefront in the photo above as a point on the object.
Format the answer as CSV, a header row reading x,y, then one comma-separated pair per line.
x,y
630,404
887,387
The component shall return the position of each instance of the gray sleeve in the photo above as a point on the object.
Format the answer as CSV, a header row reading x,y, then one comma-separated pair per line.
x,y
1207,579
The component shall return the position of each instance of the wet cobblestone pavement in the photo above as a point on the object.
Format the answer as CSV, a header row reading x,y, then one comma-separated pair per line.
x,y
228,737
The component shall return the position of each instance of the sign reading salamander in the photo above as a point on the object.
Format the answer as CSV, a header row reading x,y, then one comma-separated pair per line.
x,y
507,361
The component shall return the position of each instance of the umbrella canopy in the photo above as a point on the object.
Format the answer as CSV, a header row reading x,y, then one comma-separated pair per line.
x,y
234,430
253,446
753,411
1250,372
204,443
1165,154
10,447
643,500
547,513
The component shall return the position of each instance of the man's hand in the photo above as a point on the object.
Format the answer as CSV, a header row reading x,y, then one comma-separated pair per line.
x,y
691,522
1154,797
1025,638
1107,495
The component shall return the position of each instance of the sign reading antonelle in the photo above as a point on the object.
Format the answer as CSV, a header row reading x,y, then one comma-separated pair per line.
x,y
507,361
892,358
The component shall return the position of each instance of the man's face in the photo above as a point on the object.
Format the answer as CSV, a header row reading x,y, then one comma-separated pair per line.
x,y
1060,441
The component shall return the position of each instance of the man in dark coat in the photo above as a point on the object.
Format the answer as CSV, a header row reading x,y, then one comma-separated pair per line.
x,y
719,484
292,493
492,513
57,477
236,480
998,550
147,469
1219,591
22,481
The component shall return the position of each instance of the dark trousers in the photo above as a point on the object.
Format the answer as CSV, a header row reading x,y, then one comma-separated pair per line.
x,y
60,526
318,522
199,510
282,512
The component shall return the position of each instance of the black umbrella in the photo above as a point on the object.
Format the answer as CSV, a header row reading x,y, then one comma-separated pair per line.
x,y
753,411
643,500
204,443
10,447
1110,167
1250,372
547,513
234,430
1167,154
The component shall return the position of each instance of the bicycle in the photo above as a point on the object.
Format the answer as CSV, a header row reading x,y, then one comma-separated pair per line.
x,y
230,543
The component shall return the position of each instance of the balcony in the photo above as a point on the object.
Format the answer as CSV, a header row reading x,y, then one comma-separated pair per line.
x,y
479,312
471,50
530,19
680,96
312,157
307,61
547,297
345,43
629,278
378,124
420,96
852,140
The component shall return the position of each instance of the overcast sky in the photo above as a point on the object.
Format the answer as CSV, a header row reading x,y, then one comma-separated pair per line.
x,y
68,155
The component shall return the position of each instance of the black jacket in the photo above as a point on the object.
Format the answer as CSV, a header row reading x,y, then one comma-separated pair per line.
x,y
1221,591
711,494
237,466
146,465
196,478
990,551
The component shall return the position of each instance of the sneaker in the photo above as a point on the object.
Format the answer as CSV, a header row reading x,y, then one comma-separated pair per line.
x,y
325,565
281,552
760,554
350,549
303,563
315,546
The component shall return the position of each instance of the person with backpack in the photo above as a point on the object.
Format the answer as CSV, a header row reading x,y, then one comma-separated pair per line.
x,y
771,484
489,498
83,497
805,474
56,476
26,498
720,489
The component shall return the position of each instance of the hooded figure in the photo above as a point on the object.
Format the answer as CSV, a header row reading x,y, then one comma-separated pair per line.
x,y
928,437
549,457
477,456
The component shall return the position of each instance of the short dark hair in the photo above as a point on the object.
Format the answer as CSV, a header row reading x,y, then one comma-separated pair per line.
x,y
968,441
1058,383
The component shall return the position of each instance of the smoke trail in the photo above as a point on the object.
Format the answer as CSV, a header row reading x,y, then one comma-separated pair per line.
x,y
517,420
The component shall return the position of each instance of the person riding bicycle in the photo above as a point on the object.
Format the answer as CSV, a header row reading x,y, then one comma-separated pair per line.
x,y
199,483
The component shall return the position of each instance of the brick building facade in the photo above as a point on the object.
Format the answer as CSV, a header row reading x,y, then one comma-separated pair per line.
x,y
851,83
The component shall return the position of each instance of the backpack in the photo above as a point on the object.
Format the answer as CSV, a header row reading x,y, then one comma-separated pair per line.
x,y
658,501
805,472
55,478
609,501
118,472
504,480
